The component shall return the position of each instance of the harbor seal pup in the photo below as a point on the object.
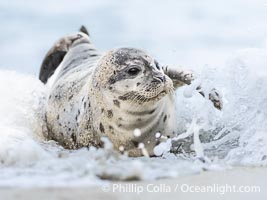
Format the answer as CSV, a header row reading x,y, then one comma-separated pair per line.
x,y
123,94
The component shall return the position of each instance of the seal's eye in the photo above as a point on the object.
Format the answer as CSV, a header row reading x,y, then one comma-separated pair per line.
x,y
133,71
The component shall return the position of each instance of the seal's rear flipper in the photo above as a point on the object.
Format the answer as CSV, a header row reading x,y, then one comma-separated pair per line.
x,y
58,51
50,63
83,29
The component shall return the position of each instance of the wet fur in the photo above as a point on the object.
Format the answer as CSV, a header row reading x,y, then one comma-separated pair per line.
x,y
91,96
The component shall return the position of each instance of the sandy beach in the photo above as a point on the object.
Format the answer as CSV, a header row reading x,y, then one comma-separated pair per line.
x,y
230,184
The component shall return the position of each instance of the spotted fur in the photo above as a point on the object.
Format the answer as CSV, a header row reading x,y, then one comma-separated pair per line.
x,y
93,95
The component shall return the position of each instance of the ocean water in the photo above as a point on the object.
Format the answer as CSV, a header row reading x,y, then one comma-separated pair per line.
x,y
223,42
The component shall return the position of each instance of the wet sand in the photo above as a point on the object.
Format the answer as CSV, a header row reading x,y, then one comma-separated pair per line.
x,y
206,185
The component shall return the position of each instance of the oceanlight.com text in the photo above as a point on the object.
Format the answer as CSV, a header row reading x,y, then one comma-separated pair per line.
x,y
184,188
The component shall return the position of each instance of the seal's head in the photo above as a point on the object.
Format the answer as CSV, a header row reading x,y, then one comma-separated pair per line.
x,y
132,75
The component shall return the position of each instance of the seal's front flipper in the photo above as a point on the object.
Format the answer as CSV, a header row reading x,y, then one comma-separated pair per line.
x,y
179,77
215,98
182,77
58,51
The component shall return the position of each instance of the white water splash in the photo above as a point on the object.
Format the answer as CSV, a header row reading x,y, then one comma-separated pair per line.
x,y
234,136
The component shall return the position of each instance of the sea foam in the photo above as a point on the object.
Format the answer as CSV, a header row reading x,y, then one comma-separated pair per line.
x,y
235,136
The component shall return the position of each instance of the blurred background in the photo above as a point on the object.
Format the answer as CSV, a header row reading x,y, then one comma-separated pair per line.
x,y
191,33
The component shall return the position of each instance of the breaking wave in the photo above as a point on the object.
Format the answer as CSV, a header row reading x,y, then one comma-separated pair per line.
x,y
235,136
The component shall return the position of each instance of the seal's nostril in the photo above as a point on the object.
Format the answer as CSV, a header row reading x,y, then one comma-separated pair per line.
x,y
160,78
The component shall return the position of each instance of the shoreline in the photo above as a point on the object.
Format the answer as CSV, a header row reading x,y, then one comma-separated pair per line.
x,y
183,188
